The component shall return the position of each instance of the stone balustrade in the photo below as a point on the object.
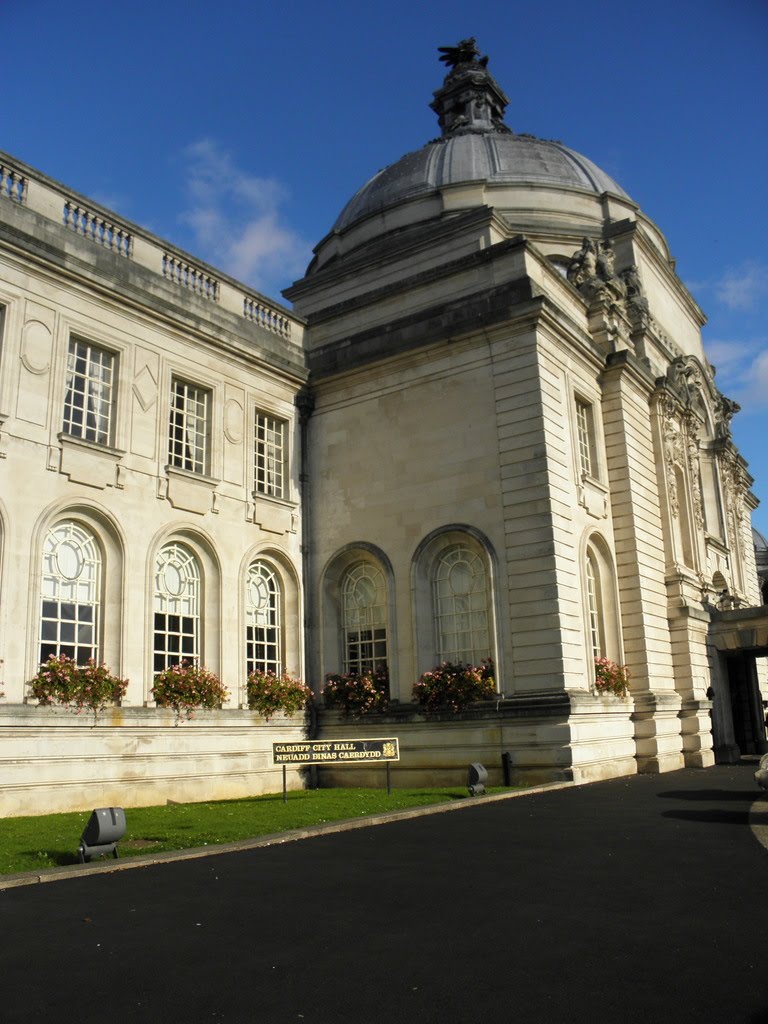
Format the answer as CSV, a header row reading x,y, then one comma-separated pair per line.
x,y
13,184
190,276
97,229
278,323
26,187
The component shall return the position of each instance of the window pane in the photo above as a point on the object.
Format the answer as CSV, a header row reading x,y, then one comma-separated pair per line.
x,y
263,600
270,456
72,575
364,618
89,396
460,595
176,634
189,427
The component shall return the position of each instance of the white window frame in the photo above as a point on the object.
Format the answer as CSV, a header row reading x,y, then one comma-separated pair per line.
x,y
70,593
189,427
595,613
263,619
462,605
364,618
89,398
586,438
176,607
270,455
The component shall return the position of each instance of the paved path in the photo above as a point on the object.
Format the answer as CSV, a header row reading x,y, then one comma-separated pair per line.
x,y
636,900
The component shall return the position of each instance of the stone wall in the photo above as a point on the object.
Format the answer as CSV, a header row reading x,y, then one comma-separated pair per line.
x,y
551,738
53,760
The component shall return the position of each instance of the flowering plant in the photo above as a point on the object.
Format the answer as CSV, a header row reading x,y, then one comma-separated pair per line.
x,y
269,693
453,685
358,693
60,680
185,687
611,678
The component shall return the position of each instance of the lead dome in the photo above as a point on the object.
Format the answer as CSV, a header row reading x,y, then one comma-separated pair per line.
x,y
538,186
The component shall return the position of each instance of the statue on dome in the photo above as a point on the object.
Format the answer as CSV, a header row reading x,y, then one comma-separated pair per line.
x,y
583,264
592,269
606,261
725,410
465,52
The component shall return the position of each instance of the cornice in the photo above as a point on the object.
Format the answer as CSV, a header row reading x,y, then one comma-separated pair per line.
x,y
444,322
128,285
418,280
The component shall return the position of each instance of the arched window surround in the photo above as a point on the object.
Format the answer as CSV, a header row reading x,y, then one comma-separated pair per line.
x,y
425,558
291,610
210,610
176,607
110,541
600,602
332,638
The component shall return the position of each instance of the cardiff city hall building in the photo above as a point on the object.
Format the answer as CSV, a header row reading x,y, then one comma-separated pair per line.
x,y
485,428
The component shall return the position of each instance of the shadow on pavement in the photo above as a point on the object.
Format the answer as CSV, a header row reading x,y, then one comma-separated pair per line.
x,y
709,794
711,817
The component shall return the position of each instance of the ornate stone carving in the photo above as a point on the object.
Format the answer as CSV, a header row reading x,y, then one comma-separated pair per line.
x,y
592,270
470,100
465,52
735,485
725,410
684,377
674,453
694,468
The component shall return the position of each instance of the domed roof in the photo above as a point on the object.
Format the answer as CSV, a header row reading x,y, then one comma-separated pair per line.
x,y
493,157
759,541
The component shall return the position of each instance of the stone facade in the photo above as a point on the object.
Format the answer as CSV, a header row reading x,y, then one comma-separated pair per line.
x,y
487,429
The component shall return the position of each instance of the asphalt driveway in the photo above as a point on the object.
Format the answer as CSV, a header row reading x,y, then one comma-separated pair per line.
x,y
636,900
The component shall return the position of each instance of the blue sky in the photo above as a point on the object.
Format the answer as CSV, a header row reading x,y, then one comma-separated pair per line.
x,y
238,130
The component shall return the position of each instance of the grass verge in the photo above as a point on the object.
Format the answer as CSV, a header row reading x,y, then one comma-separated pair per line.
x,y
28,844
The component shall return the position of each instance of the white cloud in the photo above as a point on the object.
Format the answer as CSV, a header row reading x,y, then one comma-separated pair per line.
x,y
755,395
237,223
743,287
742,371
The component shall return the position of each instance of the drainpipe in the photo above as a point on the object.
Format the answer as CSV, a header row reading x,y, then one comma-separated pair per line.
x,y
305,404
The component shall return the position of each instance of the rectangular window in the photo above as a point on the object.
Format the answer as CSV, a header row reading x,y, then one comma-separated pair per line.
x,y
189,432
585,427
270,456
365,650
175,641
90,392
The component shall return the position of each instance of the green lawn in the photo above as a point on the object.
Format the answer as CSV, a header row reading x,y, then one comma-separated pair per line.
x,y
27,844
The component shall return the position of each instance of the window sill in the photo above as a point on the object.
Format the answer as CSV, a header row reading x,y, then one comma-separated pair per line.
x,y
65,440
86,462
190,474
271,499
191,492
593,496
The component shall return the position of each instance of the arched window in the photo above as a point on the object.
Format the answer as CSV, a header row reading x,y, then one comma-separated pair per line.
x,y
364,618
461,605
176,634
263,599
595,606
602,627
71,593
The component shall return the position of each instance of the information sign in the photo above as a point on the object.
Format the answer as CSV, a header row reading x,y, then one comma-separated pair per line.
x,y
336,751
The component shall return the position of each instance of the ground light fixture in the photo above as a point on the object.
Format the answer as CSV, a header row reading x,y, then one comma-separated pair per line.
x,y
476,779
105,828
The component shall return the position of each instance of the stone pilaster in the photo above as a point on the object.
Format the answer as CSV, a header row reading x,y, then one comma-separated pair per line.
x,y
640,563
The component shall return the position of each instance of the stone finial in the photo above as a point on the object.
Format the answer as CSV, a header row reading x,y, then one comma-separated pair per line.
x,y
470,100
465,52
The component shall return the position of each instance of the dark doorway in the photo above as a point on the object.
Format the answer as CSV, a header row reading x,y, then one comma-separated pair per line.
x,y
746,705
